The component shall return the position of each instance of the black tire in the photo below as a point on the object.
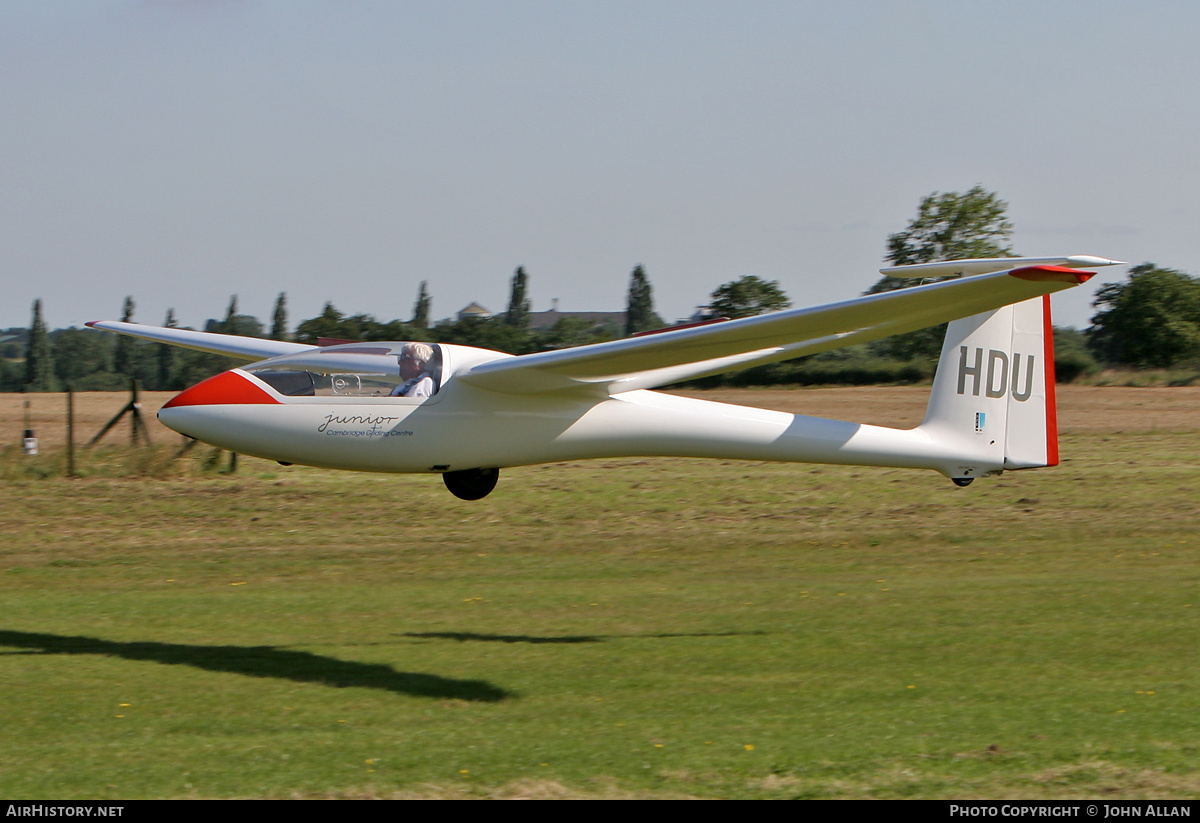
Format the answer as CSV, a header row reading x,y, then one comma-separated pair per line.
x,y
471,484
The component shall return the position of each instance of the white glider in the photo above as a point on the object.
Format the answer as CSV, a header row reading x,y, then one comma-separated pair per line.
x,y
991,407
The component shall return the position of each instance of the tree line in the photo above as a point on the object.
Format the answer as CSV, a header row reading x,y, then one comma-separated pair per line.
x,y
36,359
1152,320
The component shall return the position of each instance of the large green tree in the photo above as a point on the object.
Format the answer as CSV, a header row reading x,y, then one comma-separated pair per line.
x,y
331,323
948,226
639,308
83,360
484,333
748,296
568,332
954,226
1153,320
245,325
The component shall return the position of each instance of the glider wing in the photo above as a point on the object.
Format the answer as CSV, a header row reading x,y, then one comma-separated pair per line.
x,y
659,359
231,345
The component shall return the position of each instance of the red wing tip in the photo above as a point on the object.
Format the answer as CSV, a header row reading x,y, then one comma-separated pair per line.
x,y
91,323
1052,274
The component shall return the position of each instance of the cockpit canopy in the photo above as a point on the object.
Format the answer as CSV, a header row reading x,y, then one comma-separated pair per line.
x,y
348,370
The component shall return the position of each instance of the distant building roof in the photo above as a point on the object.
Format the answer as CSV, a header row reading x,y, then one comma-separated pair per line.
x,y
474,310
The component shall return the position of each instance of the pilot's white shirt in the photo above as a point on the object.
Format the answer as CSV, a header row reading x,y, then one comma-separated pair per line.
x,y
419,386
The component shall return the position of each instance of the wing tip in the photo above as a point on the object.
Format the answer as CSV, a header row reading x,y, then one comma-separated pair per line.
x,y
1052,274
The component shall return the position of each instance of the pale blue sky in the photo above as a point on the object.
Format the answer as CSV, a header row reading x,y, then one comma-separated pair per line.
x,y
181,151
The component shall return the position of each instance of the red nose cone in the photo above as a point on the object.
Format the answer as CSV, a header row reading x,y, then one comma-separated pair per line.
x,y
225,389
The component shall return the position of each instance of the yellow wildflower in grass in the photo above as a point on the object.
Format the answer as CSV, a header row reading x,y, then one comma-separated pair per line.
x,y
749,747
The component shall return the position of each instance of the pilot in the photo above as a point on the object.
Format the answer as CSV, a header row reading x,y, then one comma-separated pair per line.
x,y
414,359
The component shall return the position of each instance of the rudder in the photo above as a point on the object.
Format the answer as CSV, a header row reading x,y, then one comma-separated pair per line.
x,y
1032,439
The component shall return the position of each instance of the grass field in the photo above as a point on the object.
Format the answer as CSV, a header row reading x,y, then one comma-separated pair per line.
x,y
649,628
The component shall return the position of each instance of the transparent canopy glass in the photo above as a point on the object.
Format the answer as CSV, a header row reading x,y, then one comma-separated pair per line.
x,y
348,370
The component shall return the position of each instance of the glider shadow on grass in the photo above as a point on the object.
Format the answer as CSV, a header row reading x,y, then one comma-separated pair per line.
x,y
463,637
263,661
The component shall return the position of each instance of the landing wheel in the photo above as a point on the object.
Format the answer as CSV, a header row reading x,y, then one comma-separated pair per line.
x,y
963,481
471,484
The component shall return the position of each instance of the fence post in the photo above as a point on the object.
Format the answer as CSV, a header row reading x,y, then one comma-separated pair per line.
x,y
29,441
70,431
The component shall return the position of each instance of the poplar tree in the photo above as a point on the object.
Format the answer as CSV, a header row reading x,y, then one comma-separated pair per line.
x,y
123,357
39,362
230,324
280,324
421,308
279,327
166,355
517,315
639,309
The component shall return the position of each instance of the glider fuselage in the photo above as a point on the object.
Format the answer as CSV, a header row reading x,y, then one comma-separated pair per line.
x,y
463,427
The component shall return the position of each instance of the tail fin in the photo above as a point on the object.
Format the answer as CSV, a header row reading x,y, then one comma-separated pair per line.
x,y
994,390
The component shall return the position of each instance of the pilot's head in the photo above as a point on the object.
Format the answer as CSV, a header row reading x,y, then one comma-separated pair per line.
x,y
413,359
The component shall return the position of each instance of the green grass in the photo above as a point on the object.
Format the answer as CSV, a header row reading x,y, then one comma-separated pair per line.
x,y
617,628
